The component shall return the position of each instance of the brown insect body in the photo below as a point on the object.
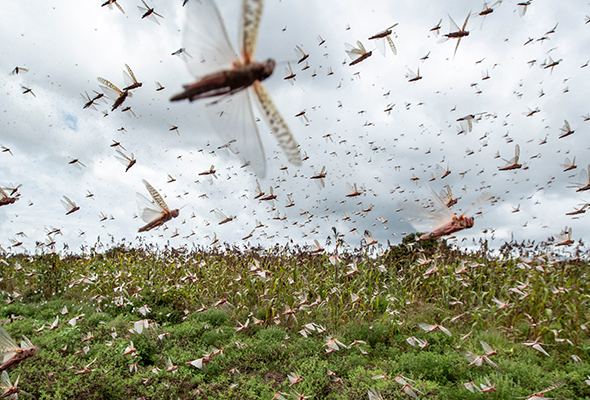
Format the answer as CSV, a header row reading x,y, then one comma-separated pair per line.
x,y
131,164
227,82
120,100
73,210
458,34
457,224
361,58
166,216
18,357
133,86
6,200
381,35
510,167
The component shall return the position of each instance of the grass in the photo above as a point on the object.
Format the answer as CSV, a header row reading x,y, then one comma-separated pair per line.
x,y
280,292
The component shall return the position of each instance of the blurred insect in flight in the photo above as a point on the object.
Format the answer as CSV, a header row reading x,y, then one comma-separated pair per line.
x,y
127,161
442,221
564,238
583,182
513,163
69,205
320,178
383,36
6,199
357,54
456,32
10,391
18,70
114,93
110,3
227,77
155,214
149,13
11,353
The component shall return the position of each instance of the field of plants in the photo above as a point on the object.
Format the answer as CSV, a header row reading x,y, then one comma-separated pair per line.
x,y
425,321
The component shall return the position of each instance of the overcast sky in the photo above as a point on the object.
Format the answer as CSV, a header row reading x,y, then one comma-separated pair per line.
x,y
66,45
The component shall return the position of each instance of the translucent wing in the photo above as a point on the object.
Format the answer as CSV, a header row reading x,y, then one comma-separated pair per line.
x,y
465,23
352,51
122,157
220,215
391,45
205,36
380,43
129,76
280,129
26,343
6,384
486,347
156,196
454,26
469,356
426,327
442,214
516,153
584,176
481,199
361,47
6,342
233,120
251,13
411,74
374,394
3,194
68,204
109,89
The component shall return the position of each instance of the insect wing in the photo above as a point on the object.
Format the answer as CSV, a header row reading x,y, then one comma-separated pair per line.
x,y
481,199
233,120
220,215
374,394
361,47
68,204
352,51
129,76
7,345
486,347
149,211
380,43
425,327
401,380
442,214
205,36
109,89
156,196
472,358
454,26
123,159
280,129
118,6
465,23
5,380
3,194
26,343
409,391
516,153
299,52
391,45
411,74
251,13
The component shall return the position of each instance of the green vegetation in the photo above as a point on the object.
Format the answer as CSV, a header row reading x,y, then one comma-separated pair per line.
x,y
292,303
